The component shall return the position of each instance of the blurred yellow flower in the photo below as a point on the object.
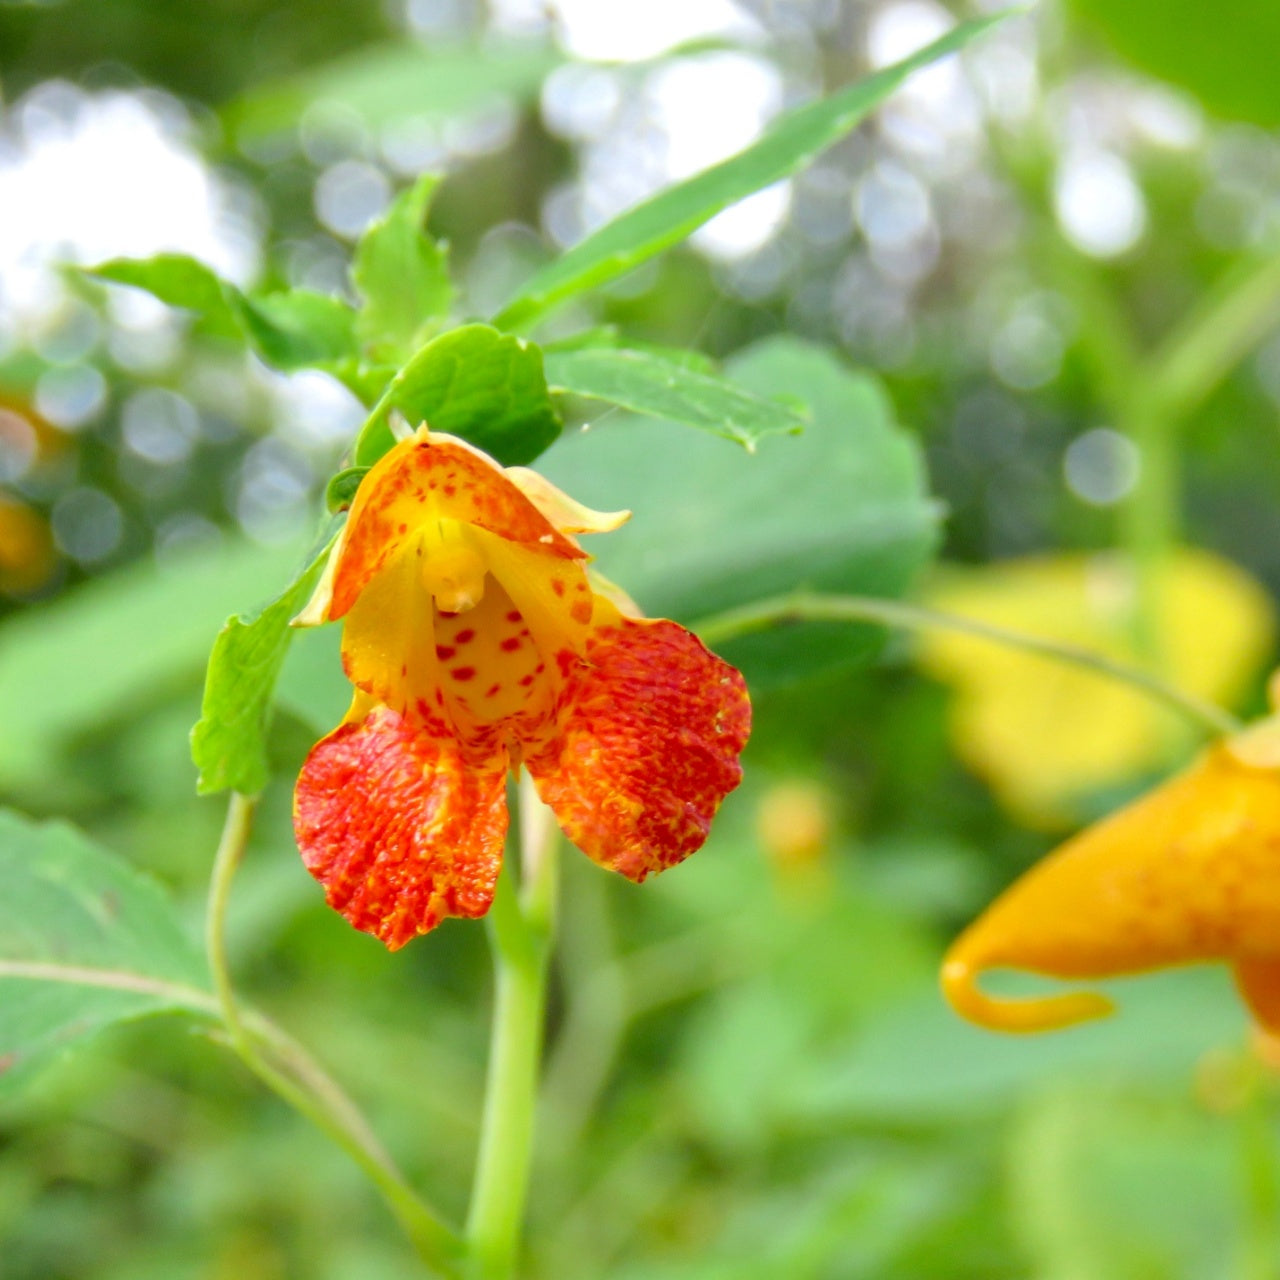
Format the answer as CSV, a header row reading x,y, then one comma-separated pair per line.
x,y
27,557
1042,733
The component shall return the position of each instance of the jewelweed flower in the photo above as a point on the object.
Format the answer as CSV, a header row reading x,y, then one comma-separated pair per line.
x,y
1188,873
477,644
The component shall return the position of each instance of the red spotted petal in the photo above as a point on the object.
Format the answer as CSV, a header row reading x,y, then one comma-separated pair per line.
x,y
432,477
400,832
653,727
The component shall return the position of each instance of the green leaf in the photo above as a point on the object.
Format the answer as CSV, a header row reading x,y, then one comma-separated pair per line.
x,y
179,281
667,218
392,82
1223,53
661,388
297,329
109,647
473,382
843,507
292,329
402,275
340,492
85,941
228,743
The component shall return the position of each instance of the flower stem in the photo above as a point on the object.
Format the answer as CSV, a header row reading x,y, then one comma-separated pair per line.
x,y
297,1078
520,931
803,606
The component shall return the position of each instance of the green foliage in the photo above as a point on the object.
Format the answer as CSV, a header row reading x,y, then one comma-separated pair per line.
x,y
402,275
291,329
662,388
394,81
179,281
340,492
228,744
1223,53
842,507
85,941
474,382
109,650
669,217
296,328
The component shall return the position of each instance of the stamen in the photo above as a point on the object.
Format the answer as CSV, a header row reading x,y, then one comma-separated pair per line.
x,y
453,569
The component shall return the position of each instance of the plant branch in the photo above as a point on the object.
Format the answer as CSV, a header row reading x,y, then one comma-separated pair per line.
x,y
303,1083
803,606
520,931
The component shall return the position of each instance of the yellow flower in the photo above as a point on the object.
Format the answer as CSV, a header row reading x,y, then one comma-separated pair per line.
x,y
1042,733
1188,873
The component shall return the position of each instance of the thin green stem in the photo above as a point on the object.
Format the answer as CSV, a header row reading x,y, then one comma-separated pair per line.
x,y
1149,519
520,930
303,1083
1215,336
803,606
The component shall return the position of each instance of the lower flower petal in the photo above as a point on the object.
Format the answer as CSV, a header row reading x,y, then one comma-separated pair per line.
x,y
652,727
398,830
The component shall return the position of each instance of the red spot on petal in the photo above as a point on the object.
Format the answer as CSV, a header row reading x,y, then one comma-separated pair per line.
x,y
444,652
581,611
510,644
566,660
464,636
492,689
514,616
526,681
463,673
557,585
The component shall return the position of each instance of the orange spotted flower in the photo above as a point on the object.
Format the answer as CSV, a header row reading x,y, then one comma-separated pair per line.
x,y
1187,873
477,643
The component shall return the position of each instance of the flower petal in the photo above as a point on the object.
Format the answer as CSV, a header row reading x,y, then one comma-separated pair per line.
x,y
649,745
566,513
1188,873
400,833
425,478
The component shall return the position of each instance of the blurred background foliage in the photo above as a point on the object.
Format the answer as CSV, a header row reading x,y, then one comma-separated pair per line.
x,y
750,1072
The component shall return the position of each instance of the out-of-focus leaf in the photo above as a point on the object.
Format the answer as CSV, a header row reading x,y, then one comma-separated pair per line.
x,y
1223,53
842,507
179,281
919,1061
293,329
111,645
85,941
297,329
667,218
473,382
402,275
392,82
228,743
1045,734
650,384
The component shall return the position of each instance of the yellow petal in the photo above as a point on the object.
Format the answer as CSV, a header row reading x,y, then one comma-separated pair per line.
x,y
567,514
1188,873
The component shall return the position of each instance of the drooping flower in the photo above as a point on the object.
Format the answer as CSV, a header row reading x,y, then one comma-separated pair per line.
x,y
477,643
1188,873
